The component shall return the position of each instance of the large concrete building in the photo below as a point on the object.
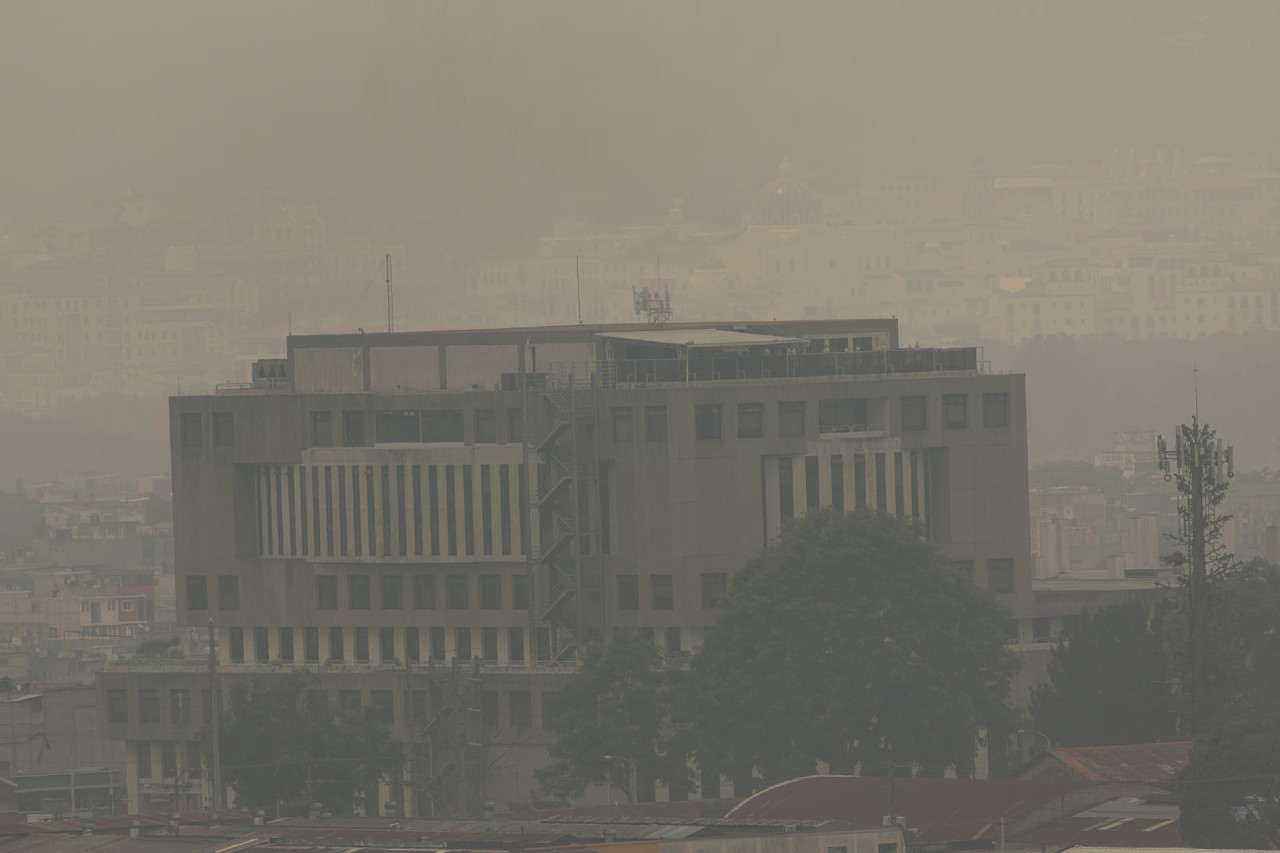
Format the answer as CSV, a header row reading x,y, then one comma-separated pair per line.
x,y
385,505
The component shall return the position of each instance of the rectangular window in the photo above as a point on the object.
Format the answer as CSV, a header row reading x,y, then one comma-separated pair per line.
x,y
349,701
197,592
362,645
628,592
397,427
515,425
462,644
442,425
322,429
837,482
438,651
353,429
391,588
383,704
489,644
673,642
311,645
337,645
504,507
715,585
412,649
228,592
812,496
342,510
285,641
887,847
117,706
486,426
859,479
235,640
328,509
955,411
387,645
224,429
490,592
450,510
370,511
663,589
417,510
402,526
326,592
915,414
192,757
623,426
1040,630
519,592
486,510
457,592
168,759
995,410
357,533
261,648
520,708
791,418
751,420
542,644
144,759
515,645
385,482
840,416
899,486
189,424
468,511
433,487
1000,575
786,489
424,592
882,484
148,705
706,422
358,593
655,423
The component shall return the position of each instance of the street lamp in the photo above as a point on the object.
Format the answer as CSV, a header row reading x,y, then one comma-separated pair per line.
x,y
632,775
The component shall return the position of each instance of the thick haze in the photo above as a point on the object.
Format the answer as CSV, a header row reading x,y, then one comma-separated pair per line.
x,y
455,127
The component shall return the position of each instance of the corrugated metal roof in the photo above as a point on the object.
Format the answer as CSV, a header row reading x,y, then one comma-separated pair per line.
x,y
698,338
1153,763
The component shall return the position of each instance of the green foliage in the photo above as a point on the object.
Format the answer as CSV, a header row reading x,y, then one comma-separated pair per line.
x,y
1074,472
1230,787
850,641
284,741
613,720
159,648
1108,682
1244,648
21,521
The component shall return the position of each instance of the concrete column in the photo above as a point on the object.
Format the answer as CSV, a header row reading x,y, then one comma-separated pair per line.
x,y
264,492
392,509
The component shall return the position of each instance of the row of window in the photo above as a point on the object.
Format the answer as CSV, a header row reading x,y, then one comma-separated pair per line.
x,y
169,753
392,510
414,645
446,425
714,586
841,415
391,592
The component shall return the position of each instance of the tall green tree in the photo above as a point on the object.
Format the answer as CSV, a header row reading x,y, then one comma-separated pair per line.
x,y
283,741
850,641
1108,682
1231,786
614,721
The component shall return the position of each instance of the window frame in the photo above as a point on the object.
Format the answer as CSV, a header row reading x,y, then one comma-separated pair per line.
x,y
751,414
708,422
999,399
955,404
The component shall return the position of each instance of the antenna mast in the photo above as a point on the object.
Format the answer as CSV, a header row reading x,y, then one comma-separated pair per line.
x,y
391,303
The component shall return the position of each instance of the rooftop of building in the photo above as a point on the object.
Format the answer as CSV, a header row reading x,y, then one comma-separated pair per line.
x,y
1152,763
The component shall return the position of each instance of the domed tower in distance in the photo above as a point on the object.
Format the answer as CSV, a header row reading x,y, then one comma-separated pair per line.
x,y
786,202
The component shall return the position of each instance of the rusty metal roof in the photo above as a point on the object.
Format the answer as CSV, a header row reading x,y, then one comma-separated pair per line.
x,y
1152,763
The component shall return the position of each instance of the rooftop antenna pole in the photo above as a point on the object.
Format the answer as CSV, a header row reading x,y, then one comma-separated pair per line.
x,y
577,274
391,304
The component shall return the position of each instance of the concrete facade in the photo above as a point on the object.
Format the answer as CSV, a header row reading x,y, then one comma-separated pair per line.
x,y
401,501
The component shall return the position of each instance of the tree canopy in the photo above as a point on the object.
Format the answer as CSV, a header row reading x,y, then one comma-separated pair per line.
x,y
284,741
1108,682
850,641
613,720
1230,787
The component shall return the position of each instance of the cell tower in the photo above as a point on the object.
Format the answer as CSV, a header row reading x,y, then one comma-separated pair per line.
x,y
654,305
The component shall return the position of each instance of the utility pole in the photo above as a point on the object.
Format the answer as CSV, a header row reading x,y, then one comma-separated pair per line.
x,y
1201,466
215,760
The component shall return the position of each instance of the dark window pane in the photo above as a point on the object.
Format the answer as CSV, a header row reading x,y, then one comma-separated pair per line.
x,y
442,425
841,416
714,587
353,429
392,591
197,592
189,425
955,411
228,592
791,418
327,592
362,645
490,592
486,426
224,431
321,429
707,422
457,592
285,640
358,592
623,428
1000,575
519,592
663,592
397,427
750,420
655,423
424,592
995,410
